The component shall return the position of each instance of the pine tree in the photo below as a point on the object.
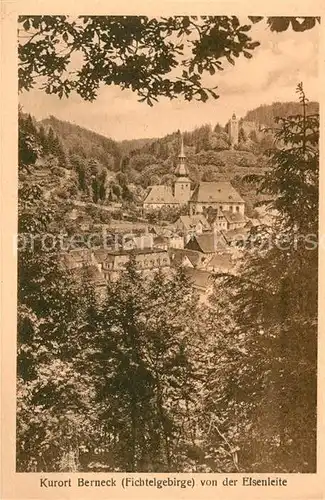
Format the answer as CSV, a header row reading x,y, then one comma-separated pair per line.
x,y
269,382
51,141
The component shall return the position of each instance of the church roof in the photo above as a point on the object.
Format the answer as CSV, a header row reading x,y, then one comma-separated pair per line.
x,y
216,192
182,154
181,171
160,194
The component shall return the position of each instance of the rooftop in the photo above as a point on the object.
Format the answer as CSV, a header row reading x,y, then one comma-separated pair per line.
x,y
222,262
177,255
135,251
216,192
239,234
159,194
209,242
190,221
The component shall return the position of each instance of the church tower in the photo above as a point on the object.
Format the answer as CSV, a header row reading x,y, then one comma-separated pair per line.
x,y
182,186
233,130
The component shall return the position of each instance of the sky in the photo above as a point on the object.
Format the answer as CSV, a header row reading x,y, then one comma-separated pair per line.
x,y
278,64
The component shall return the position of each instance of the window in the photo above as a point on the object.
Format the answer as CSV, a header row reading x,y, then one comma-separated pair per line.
x,y
237,209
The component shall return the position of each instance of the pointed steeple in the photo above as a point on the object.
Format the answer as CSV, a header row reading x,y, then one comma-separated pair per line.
x,y
181,170
182,154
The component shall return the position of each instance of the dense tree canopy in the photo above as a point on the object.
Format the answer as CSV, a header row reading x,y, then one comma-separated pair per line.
x,y
272,380
154,57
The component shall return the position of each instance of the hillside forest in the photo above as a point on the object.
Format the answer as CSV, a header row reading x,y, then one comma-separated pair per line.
x,y
150,379
101,170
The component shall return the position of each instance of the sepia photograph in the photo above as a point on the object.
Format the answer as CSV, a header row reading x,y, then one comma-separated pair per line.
x,y
168,241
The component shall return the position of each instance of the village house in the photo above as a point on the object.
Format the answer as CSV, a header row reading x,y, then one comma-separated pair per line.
x,y
187,258
236,237
85,267
220,263
180,259
253,222
170,241
176,241
235,220
146,260
161,242
195,224
134,242
158,197
217,220
76,258
207,243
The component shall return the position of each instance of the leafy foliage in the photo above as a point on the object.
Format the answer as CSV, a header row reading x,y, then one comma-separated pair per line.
x,y
150,379
270,384
153,57
132,52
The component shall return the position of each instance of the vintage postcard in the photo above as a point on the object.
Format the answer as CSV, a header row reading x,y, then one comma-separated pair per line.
x,y
162,247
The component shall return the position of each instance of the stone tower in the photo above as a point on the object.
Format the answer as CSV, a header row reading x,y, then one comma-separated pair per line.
x,y
233,130
182,186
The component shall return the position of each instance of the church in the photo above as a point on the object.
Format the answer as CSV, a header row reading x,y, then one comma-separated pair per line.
x,y
205,195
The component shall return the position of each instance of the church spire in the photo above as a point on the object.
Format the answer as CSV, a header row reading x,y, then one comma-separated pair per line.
x,y
181,170
182,154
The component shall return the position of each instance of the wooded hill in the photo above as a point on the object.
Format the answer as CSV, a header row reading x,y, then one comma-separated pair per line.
x,y
104,168
84,142
266,113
